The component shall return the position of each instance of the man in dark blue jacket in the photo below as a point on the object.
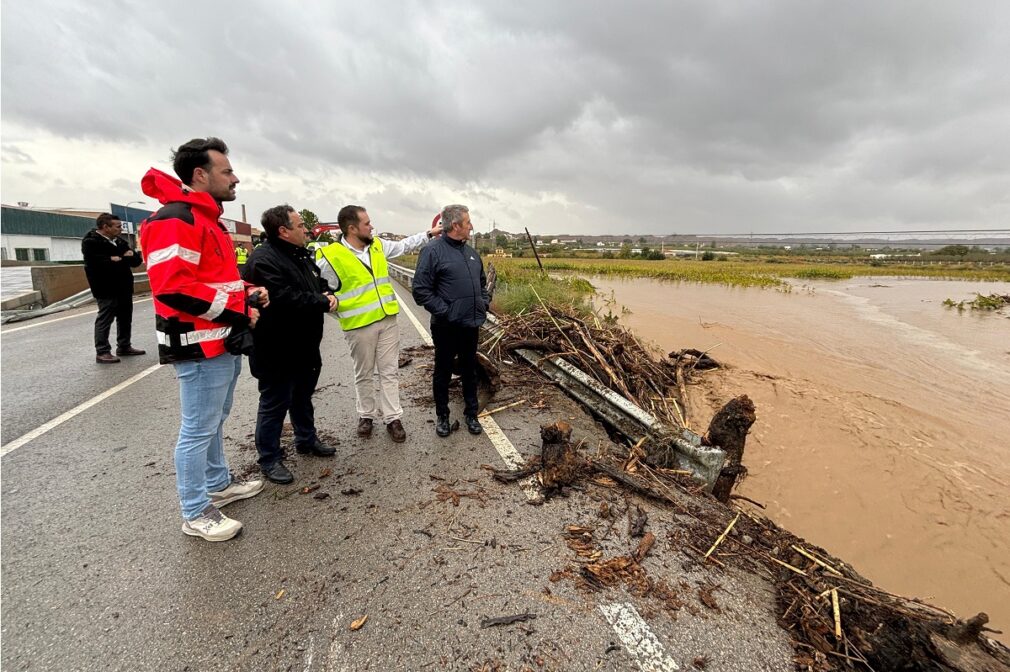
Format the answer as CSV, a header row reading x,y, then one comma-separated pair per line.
x,y
449,282
286,359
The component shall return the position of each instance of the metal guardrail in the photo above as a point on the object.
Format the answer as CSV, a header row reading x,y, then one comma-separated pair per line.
x,y
623,416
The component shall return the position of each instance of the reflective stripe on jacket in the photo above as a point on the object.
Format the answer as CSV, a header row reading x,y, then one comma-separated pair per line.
x,y
366,295
198,294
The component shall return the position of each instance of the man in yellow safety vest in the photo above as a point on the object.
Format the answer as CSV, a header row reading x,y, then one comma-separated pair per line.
x,y
355,267
241,255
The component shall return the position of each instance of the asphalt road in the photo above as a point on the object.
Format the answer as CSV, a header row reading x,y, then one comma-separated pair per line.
x,y
97,575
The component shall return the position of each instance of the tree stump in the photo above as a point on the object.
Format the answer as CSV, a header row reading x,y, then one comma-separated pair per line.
x,y
561,463
728,430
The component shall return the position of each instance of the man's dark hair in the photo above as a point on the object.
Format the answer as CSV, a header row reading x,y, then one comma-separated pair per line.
x,y
104,220
349,214
275,218
194,154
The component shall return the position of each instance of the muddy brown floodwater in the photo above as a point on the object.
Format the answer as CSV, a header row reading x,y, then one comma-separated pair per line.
x,y
883,429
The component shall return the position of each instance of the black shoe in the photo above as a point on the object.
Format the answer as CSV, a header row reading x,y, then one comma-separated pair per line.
x,y
130,352
472,424
106,358
278,473
319,449
442,426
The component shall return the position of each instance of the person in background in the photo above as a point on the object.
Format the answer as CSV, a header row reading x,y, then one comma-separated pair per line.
x,y
199,299
241,255
355,267
286,358
449,282
108,261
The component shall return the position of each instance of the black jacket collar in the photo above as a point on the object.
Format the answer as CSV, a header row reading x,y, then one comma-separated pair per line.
x,y
288,248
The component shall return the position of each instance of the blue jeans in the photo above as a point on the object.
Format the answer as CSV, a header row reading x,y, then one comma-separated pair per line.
x,y
206,389
278,398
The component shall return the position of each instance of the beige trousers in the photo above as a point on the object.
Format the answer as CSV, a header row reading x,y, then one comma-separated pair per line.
x,y
375,350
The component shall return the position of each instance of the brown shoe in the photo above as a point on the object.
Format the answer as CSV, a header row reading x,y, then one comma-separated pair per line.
x,y
396,431
364,427
130,352
106,358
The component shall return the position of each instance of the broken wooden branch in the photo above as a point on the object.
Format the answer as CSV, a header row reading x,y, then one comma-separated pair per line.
x,y
722,536
506,620
484,414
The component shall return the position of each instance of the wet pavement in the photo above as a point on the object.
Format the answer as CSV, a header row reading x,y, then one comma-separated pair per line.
x,y
97,575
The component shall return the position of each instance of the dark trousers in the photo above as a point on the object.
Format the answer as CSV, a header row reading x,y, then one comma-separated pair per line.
x,y
119,309
452,342
277,398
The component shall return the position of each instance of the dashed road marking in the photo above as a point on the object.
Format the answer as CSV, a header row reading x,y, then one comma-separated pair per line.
x,y
336,651
511,457
73,412
308,658
425,336
633,631
636,636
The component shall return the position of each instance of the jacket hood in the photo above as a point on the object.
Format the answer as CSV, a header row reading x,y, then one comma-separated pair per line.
x,y
168,189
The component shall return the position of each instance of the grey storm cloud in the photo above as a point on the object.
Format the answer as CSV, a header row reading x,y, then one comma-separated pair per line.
x,y
654,116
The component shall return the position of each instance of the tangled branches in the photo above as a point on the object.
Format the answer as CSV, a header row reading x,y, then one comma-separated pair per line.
x,y
609,353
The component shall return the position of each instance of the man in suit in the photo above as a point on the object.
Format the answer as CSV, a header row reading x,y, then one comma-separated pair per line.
x,y
286,359
108,263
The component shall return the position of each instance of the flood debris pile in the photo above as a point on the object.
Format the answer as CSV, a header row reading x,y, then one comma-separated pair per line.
x,y
607,352
836,618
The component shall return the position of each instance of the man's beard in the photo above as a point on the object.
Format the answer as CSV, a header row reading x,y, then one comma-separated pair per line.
x,y
367,240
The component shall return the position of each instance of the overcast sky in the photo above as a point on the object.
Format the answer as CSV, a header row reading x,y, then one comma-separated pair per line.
x,y
566,117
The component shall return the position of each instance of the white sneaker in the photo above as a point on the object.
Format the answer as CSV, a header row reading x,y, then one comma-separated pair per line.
x,y
212,525
236,490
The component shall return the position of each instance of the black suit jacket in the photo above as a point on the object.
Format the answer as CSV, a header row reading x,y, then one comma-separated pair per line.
x,y
289,330
108,279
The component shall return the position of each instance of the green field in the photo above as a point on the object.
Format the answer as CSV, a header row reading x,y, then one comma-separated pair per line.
x,y
770,272
520,281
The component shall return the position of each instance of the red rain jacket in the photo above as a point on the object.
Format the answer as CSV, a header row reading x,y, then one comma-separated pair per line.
x,y
198,294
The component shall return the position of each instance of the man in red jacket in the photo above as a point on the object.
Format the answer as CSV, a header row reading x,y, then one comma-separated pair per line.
x,y
199,302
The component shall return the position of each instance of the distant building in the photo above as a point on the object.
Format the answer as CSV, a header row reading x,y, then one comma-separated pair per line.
x,y
55,235
39,235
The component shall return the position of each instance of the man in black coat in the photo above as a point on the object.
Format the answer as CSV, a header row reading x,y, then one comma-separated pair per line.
x,y
449,282
286,358
107,263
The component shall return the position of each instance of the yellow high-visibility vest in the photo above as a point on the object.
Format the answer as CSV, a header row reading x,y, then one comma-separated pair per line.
x,y
241,255
366,296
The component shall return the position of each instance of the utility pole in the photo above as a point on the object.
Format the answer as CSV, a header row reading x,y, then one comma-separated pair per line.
x,y
129,225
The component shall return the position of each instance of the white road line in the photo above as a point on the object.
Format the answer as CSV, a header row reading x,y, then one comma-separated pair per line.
x,y
59,319
73,412
509,455
425,336
308,660
336,648
637,638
